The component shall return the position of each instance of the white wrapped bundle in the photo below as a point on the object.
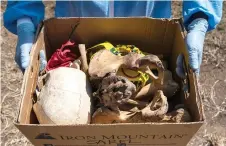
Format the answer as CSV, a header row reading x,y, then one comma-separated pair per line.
x,y
65,98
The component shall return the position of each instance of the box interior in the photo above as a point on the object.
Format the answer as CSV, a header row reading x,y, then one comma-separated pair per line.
x,y
156,36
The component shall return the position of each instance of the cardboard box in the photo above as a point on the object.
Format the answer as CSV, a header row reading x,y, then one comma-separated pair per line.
x,y
157,36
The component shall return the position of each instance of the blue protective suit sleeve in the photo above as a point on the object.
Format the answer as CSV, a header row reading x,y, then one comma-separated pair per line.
x,y
211,8
18,9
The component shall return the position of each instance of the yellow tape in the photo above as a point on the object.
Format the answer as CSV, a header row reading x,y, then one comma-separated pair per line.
x,y
137,77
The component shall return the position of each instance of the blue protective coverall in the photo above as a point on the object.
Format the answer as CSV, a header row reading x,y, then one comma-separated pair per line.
x,y
156,9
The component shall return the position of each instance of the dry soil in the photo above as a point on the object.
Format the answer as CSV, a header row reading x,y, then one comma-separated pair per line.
x,y
212,82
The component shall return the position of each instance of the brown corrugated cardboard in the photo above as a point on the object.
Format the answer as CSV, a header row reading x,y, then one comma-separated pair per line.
x,y
157,36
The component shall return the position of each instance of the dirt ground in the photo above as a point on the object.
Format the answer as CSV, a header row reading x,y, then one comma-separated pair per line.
x,y
212,83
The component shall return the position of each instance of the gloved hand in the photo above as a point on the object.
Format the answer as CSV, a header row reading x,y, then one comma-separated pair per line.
x,y
26,33
194,40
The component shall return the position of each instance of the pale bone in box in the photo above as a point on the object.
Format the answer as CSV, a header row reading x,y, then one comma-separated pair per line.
x,y
156,36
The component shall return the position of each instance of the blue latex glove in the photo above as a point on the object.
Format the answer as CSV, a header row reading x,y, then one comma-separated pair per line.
x,y
194,40
26,33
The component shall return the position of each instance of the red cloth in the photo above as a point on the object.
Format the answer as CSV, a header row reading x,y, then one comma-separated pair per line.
x,y
62,57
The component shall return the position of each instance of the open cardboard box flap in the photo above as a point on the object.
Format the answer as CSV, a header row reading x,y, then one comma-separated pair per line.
x,y
156,36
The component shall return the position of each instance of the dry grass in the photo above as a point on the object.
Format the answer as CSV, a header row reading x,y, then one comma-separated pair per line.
x,y
212,85
11,79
